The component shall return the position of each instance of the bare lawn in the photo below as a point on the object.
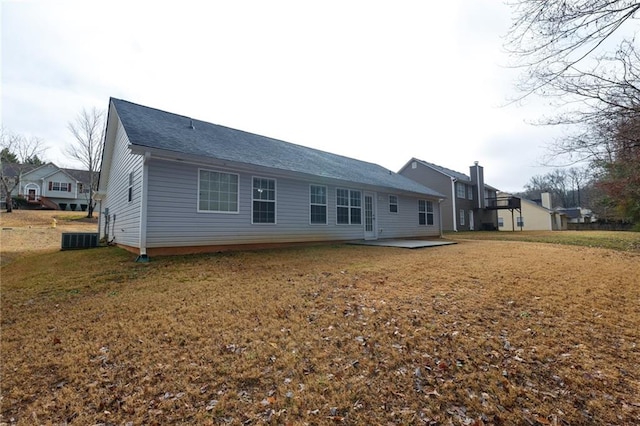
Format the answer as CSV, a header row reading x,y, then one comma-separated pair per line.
x,y
478,333
24,231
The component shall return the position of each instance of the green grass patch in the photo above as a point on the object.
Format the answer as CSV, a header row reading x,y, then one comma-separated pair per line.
x,y
622,241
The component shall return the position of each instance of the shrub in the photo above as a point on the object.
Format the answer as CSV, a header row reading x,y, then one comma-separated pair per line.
x,y
19,202
63,206
73,206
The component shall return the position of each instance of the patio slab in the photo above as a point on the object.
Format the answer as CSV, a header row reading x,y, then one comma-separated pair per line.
x,y
410,244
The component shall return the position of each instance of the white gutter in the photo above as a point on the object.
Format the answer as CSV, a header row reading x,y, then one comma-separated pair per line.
x,y
453,203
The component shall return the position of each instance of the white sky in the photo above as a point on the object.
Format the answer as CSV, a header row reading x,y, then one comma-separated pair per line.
x,y
379,81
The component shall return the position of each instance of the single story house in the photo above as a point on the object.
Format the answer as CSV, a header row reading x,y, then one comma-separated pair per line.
x,y
532,216
49,186
172,184
466,206
578,214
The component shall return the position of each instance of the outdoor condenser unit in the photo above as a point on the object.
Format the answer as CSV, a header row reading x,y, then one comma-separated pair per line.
x,y
79,240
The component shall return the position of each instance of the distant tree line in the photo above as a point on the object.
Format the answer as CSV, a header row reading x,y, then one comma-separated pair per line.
x,y
576,187
583,55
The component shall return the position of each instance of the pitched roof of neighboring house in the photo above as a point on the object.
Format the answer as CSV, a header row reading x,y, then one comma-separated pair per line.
x,y
444,170
451,173
14,169
572,213
155,129
80,175
534,203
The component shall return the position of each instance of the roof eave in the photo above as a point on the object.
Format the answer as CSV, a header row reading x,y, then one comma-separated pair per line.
x,y
178,156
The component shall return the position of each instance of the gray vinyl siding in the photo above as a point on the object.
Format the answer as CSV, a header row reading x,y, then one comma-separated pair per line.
x,y
438,182
173,219
126,226
405,223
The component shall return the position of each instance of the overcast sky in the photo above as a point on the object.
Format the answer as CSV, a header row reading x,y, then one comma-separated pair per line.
x,y
377,81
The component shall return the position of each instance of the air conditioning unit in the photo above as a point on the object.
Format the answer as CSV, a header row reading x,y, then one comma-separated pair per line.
x,y
79,240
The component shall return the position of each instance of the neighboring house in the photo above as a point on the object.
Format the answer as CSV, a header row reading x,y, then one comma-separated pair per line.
x,y
172,184
49,186
531,216
11,173
578,214
465,206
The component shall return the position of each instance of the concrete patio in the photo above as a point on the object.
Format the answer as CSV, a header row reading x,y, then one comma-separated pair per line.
x,y
409,244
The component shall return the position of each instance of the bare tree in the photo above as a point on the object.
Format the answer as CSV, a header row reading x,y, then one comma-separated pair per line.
x,y
16,150
584,54
579,179
88,131
554,40
567,51
564,185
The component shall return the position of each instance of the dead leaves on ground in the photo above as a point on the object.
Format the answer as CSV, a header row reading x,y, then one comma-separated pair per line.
x,y
331,337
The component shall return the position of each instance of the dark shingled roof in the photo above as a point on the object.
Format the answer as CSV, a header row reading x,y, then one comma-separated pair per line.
x,y
448,172
452,173
14,169
156,129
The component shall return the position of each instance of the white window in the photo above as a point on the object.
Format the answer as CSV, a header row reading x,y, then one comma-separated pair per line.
x,y
318,204
500,222
264,200
217,192
348,207
461,192
462,217
59,186
470,192
393,203
425,212
82,189
429,213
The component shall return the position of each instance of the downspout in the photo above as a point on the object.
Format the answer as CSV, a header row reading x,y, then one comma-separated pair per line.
x,y
453,203
440,200
143,258
480,190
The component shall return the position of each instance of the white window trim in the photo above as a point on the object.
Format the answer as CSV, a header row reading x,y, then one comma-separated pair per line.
x,y
422,211
275,201
60,183
464,187
426,213
397,204
326,206
217,211
461,215
349,206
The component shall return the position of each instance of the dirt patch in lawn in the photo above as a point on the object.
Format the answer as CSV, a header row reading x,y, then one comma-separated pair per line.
x,y
481,332
29,231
